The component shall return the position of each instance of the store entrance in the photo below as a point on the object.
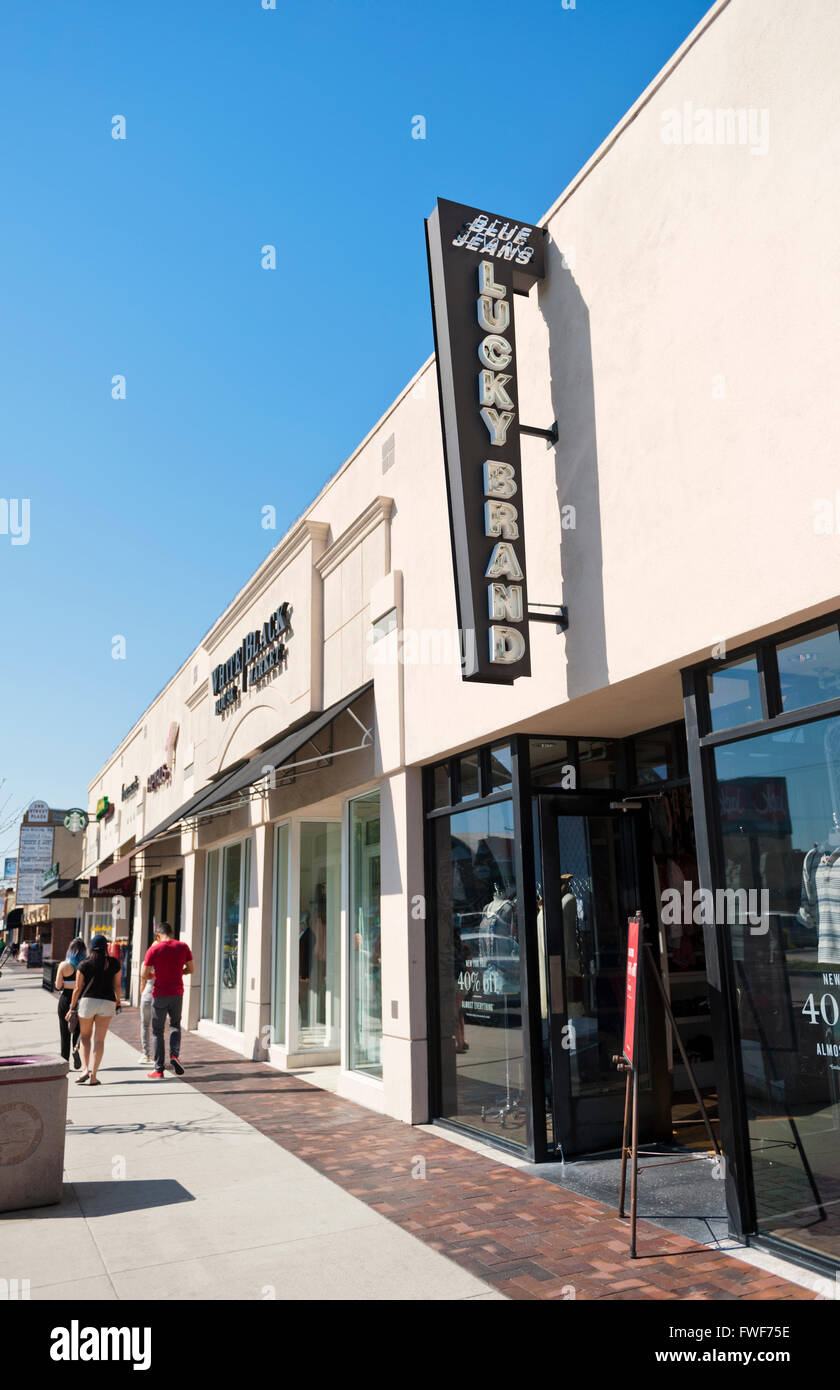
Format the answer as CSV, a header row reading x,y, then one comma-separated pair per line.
x,y
590,885
164,905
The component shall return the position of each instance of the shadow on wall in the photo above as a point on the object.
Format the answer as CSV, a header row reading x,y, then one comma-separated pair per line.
x,y
576,475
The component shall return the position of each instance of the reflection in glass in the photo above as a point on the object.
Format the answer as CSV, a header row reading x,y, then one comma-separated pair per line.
x,y
230,934
734,694
659,755
809,668
551,763
482,1064
365,936
597,763
468,781
211,959
441,786
318,934
779,812
501,768
594,945
281,910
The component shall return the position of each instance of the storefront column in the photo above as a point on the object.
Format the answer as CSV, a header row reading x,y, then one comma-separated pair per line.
x,y
404,1032
256,1023
138,935
192,931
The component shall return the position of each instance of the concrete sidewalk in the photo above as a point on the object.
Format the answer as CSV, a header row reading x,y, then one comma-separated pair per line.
x,y
170,1195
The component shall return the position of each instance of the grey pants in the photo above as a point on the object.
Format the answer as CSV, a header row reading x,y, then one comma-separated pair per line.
x,y
146,1024
163,1004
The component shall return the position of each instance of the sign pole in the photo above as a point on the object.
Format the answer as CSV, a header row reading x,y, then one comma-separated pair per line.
x,y
624,1132
628,1061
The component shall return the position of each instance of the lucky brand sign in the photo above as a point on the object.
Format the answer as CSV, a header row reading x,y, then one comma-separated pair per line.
x,y
476,263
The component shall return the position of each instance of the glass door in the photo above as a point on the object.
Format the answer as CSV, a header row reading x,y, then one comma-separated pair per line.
x,y
589,886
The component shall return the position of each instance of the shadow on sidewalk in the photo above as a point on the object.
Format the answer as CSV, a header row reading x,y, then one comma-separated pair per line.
x,y
202,1126
118,1196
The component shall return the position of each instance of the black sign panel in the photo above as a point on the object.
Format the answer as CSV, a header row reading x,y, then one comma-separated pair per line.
x,y
477,261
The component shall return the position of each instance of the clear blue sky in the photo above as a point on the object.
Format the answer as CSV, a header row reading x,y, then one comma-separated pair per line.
x,y
142,257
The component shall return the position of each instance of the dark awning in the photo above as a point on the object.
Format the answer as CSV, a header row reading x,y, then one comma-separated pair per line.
x,y
246,774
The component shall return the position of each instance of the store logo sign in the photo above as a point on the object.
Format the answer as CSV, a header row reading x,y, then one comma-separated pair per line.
x,y
259,652
76,820
477,262
129,789
158,778
104,808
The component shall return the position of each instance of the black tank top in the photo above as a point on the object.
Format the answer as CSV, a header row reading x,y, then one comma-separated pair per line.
x,y
68,982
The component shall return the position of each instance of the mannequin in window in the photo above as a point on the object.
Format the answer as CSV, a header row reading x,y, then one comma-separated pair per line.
x,y
820,908
498,918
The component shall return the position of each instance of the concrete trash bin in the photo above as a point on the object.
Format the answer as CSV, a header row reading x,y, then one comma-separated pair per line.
x,y
33,1119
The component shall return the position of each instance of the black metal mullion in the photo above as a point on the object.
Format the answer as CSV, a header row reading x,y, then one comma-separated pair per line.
x,y
529,984
809,715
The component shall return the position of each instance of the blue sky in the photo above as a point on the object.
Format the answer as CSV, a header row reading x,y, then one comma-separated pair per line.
x,y
141,257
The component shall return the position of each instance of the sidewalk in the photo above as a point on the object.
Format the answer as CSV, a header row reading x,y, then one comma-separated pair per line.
x,y
169,1195
247,1178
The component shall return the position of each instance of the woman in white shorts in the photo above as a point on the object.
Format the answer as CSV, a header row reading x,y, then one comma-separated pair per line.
x,y
97,998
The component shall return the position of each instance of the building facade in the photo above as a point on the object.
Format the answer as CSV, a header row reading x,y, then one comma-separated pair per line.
x,y
425,880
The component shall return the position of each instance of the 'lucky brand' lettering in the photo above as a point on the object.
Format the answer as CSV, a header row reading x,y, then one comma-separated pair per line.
x,y
498,412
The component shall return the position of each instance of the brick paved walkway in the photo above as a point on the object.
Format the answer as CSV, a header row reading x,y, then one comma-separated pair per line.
x,y
520,1233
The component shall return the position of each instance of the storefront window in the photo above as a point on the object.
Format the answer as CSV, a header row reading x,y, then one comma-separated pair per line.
x,y
211,962
318,934
442,795
480,1008
281,911
598,764
501,768
734,694
225,931
779,814
809,668
659,756
230,933
468,780
551,763
365,942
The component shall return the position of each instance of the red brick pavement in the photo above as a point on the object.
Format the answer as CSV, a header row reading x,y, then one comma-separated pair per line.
x,y
528,1237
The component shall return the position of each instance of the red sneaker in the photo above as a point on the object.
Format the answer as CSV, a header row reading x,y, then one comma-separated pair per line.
x,y
176,1066
155,1075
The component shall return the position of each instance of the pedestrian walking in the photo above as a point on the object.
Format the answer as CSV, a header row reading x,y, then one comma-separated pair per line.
x,y
96,998
146,1022
170,960
65,980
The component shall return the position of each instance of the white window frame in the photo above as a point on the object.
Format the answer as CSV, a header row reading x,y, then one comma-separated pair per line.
x,y
246,841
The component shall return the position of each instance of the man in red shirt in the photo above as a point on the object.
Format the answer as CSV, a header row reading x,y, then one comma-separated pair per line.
x,y
171,960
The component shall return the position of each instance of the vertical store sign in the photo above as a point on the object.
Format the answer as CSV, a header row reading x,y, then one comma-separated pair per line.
x,y
476,263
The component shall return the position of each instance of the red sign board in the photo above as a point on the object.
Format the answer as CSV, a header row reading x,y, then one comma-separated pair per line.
x,y
634,947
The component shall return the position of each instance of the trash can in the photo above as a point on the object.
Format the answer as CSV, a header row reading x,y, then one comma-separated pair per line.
x,y
33,1117
50,968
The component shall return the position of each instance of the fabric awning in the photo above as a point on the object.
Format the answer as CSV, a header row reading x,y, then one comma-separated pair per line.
x,y
246,774
115,873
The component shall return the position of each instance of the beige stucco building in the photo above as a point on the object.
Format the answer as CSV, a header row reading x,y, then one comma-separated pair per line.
x,y
374,861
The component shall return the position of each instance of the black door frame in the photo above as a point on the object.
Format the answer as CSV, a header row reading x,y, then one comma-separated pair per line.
x,y
577,1120
525,798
